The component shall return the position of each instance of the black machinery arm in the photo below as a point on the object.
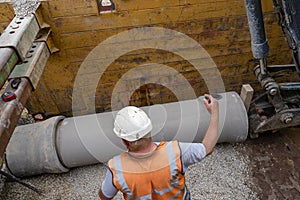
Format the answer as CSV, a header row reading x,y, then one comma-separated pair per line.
x,y
279,106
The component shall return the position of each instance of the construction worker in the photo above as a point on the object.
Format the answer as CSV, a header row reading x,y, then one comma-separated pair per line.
x,y
151,170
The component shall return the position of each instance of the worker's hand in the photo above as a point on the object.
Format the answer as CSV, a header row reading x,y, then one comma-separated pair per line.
x,y
211,135
212,105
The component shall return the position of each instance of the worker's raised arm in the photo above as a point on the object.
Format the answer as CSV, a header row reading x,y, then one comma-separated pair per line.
x,y
211,136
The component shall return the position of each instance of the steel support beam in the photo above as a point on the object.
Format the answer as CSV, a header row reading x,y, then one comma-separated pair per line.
x,y
33,68
20,34
8,60
22,82
12,110
25,47
15,42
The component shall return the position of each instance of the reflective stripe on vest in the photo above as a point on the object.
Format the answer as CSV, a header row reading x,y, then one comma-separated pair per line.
x,y
174,171
120,176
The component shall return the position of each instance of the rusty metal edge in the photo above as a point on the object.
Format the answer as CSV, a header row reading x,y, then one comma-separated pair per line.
x,y
12,110
8,60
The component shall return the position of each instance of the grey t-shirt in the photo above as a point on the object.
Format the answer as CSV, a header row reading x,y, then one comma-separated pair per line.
x,y
191,153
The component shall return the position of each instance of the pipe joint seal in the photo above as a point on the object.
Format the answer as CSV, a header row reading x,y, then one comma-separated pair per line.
x,y
26,156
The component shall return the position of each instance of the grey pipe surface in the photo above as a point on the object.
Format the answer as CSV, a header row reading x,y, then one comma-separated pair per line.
x,y
85,140
89,139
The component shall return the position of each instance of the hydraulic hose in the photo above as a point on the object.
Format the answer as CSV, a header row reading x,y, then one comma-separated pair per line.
x,y
260,47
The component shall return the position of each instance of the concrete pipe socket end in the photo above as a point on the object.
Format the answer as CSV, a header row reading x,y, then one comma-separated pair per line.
x,y
32,149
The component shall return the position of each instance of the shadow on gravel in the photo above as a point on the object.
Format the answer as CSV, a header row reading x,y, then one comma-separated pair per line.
x,y
275,163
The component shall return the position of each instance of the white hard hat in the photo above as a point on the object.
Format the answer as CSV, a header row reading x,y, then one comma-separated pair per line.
x,y
132,123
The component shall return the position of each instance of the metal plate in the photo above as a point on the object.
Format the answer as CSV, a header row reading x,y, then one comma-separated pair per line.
x,y
33,66
20,34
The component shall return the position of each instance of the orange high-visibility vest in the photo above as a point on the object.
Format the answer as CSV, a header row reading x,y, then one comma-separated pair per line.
x,y
155,176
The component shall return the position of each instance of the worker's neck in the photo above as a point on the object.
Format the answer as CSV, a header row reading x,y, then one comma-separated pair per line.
x,y
145,150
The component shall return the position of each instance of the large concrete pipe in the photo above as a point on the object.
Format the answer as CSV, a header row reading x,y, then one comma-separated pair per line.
x,y
89,139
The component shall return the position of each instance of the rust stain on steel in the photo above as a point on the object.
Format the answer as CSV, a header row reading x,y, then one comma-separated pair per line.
x,y
11,111
35,66
8,60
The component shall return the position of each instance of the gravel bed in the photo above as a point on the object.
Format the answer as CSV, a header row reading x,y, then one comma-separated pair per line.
x,y
25,7
223,175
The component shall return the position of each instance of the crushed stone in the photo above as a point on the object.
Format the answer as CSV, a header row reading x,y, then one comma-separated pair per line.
x,y
223,175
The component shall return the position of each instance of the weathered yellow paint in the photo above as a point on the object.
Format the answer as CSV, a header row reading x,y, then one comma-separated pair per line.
x,y
2,27
65,8
146,16
6,15
7,12
267,6
220,26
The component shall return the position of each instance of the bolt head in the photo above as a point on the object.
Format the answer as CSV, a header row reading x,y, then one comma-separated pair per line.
x,y
288,120
273,91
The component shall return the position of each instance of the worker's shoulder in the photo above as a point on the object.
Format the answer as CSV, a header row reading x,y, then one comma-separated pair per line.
x,y
111,161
